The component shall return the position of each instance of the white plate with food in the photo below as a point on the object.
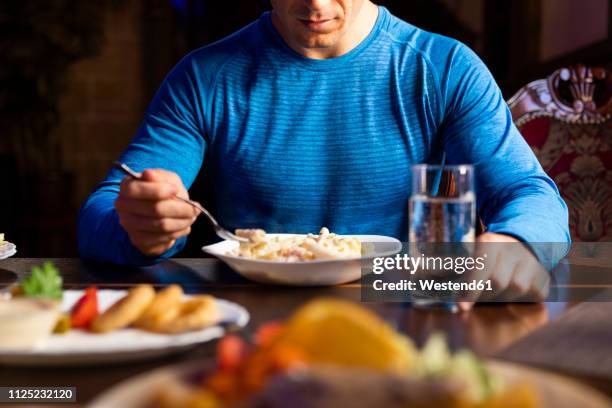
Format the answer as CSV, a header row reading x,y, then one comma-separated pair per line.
x,y
121,335
302,259
333,353
7,249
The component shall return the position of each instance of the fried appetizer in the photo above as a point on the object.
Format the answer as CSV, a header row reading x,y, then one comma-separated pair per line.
x,y
193,314
125,311
166,299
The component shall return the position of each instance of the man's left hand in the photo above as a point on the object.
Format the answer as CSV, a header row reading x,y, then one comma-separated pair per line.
x,y
514,272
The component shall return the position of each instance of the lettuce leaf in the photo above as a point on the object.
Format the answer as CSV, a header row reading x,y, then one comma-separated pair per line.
x,y
44,282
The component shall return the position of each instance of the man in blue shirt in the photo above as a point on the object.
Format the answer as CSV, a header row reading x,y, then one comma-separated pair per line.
x,y
311,116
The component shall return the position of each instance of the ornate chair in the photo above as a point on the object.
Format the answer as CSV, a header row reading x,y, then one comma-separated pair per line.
x,y
567,121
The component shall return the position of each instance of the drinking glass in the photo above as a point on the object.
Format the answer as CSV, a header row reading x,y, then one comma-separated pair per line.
x,y
442,211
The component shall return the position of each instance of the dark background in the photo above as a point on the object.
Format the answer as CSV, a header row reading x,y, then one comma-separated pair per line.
x,y
76,77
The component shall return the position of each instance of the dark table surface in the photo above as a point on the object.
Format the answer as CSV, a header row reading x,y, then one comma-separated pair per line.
x,y
487,329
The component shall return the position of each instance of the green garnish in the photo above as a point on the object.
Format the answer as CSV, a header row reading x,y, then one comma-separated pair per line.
x,y
436,360
44,282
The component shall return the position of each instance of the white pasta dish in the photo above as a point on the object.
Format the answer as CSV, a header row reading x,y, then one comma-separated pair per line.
x,y
295,248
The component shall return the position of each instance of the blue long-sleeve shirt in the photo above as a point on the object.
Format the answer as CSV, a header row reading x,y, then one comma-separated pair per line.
x,y
292,144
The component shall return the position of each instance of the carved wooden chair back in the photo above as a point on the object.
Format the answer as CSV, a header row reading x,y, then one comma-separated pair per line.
x,y
567,121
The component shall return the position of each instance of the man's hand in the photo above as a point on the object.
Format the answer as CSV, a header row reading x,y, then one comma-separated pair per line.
x,y
514,271
149,213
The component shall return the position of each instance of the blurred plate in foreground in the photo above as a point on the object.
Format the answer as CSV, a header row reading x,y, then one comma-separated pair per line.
x,y
78,347
554,391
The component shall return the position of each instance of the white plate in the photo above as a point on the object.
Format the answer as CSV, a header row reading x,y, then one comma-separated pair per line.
x,y
303,273
7,250
554,391
79,347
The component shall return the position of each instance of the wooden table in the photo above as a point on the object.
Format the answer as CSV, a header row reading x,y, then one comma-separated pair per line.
x,y
487,329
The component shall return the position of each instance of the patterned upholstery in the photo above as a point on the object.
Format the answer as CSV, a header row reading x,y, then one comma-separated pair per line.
x,y
578,157
567,120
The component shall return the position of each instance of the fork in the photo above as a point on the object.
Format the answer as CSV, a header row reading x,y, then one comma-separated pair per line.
x,y
219,230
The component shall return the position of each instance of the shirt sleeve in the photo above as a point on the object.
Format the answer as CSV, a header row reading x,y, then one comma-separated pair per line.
x,y
170,137
515,196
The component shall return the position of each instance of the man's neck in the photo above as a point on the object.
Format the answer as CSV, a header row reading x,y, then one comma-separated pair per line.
x,y
357,32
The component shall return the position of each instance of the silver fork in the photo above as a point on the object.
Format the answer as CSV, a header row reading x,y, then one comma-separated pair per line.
x,y
219,230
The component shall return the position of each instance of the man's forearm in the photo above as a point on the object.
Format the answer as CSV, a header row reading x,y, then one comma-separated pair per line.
x,y
534,213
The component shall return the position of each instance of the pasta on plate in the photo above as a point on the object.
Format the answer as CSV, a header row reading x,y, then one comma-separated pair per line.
x,y
324,246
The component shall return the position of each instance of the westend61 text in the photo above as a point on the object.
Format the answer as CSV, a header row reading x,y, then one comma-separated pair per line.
x,y
412,264
431,285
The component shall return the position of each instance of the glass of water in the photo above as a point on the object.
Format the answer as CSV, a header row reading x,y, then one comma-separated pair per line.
x,y
442,216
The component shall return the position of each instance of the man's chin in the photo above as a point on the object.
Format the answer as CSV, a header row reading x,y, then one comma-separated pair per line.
x,y
318,41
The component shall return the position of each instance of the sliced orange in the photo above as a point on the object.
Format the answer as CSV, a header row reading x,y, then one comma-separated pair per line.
x,y
338,332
